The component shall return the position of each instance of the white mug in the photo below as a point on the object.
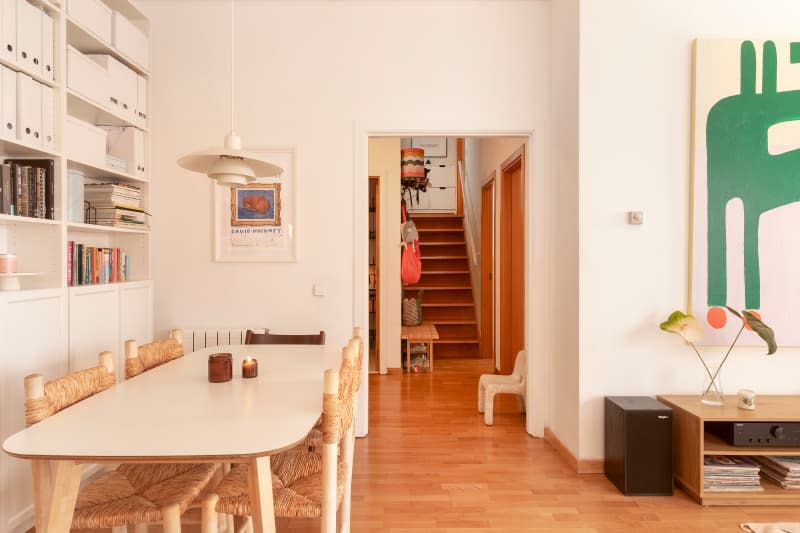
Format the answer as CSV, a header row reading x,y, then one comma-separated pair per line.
x,y
747,399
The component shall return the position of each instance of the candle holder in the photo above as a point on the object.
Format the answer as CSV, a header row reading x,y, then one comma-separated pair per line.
x,y
220,367
249,368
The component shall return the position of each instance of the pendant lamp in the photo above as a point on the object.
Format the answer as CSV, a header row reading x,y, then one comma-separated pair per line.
x,y
230,165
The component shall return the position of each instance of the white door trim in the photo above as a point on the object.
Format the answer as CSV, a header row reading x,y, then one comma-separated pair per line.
x,y
537,332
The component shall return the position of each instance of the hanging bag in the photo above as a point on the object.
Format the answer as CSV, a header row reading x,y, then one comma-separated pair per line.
x,y
410,258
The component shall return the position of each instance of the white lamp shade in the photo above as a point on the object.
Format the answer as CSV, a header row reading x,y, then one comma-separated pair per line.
x,y
230,164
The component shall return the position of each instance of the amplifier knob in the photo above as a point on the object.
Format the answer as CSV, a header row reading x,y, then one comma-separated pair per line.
x,y
777,432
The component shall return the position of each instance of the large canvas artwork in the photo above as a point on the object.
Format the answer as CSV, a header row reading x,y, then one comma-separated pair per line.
x,y
746,186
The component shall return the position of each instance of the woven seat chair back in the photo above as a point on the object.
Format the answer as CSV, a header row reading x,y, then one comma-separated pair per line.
x,y
315,339
138,359
45,399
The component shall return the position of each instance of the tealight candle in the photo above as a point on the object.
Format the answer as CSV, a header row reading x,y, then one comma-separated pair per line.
x,y
249,368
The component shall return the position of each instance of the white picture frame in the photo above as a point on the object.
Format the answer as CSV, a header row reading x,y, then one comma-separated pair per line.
x,y
272,236
433,146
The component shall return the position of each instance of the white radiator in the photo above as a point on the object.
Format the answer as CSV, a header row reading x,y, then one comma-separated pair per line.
x,y
197,339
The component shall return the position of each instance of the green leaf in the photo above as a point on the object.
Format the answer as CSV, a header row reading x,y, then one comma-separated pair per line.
x,y
734,311
763,331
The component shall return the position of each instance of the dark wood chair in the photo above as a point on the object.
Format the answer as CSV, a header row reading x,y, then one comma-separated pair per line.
x,y
284,338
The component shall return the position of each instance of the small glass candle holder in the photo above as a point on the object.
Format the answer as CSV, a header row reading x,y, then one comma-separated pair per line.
x,y
249,368
220,367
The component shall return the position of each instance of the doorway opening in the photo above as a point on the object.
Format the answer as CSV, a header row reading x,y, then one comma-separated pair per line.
x,y
471,214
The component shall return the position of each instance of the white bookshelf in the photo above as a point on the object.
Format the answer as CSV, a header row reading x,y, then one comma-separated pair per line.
x,y
48,326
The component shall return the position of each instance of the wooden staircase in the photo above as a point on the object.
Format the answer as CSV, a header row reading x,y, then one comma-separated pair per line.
x,y
448,301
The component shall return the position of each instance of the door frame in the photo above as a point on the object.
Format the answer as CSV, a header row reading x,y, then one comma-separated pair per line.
x,y
377,211
488,284
539,327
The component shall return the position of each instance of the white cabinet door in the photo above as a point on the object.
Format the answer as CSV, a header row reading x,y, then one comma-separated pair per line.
x,y
135,317
93,324
32,326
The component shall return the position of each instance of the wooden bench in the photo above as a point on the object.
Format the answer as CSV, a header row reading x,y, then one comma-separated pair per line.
x,y
425,333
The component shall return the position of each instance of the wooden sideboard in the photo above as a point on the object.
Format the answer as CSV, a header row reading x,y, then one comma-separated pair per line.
x,y
691,443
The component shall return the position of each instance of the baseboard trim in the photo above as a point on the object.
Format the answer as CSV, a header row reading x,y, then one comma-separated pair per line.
x,y
583,466
394,371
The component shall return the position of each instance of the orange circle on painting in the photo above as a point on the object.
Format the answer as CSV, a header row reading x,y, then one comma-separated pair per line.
x,y
746,323
716,317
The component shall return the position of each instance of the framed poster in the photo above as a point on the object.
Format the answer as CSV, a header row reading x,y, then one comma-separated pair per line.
x,y
255,222
745,250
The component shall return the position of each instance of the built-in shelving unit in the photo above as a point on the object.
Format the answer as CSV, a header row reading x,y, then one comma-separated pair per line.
x,y
48,326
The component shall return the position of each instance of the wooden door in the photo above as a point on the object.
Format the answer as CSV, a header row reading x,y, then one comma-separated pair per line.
x,y
512,260
487,269
374,274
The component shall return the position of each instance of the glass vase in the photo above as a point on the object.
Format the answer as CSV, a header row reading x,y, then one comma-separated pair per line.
x,y
711,393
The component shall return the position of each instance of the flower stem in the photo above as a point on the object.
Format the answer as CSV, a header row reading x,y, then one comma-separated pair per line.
x,y
708,371
730,349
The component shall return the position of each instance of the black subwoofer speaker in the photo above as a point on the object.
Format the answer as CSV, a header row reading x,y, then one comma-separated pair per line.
x,y
638,457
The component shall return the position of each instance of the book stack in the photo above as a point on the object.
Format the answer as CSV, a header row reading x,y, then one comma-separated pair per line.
x,y
90,265
27,188
783,470
730,473
115,204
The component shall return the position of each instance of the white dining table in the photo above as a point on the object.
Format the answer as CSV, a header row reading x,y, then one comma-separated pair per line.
x,y
172,413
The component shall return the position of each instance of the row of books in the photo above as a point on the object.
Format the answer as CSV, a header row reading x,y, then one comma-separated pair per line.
x,y
90,265
27,188
115,204
723,473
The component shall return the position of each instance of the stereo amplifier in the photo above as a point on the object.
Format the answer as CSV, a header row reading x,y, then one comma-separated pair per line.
x,y
769,434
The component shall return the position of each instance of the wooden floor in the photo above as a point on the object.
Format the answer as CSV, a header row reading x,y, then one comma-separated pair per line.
x,y
430,464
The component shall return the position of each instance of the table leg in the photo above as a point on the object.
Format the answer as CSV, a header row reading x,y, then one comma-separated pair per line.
x,y
430,355
408,356
261,504
56,503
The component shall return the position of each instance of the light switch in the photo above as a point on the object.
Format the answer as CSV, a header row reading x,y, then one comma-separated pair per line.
x,y
320,290
635,217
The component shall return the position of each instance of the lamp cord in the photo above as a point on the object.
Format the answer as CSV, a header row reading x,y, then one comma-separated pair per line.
x,y
233,94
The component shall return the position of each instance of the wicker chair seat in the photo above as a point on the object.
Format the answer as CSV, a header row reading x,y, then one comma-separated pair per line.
x,y
296,486
136,493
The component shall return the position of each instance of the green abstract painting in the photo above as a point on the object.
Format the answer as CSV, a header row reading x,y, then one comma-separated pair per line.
x,y
746,184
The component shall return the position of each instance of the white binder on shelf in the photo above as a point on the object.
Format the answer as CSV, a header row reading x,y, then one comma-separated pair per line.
x,y
87,78
141,102
48,65
48,118
8,29
8,102
29,37
29,110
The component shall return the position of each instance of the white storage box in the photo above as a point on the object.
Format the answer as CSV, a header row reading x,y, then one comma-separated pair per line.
x,y
122,85
29,110
130,40
93,15
29,37
127,143
87,78
75,180
84,142
8,100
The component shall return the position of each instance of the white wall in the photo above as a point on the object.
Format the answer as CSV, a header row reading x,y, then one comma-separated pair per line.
x,y
635,113
563,404
472,215
307,71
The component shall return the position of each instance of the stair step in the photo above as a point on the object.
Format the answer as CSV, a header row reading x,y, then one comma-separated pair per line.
x,y
447,249
436,236
434,257
444,230
445,296
457,331
459,265
438,287
443,243
437,322
453,304
424,222
457,341
444,272
447,315
458,350
428,279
